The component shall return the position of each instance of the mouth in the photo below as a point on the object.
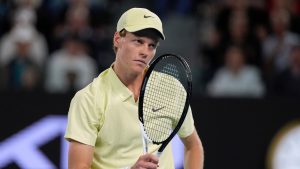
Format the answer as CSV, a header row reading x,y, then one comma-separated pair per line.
x,y
141,61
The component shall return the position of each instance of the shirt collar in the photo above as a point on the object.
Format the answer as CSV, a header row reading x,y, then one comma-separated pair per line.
x,y
118,86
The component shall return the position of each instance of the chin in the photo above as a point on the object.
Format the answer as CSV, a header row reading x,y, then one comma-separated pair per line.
x,y
139,69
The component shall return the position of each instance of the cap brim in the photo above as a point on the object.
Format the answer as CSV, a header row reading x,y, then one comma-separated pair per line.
x,y
138,28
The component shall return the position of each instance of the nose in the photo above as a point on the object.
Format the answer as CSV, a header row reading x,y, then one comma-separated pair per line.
x,y
145,51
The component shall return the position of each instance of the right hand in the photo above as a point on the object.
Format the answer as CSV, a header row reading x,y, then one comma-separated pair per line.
x,y
146,161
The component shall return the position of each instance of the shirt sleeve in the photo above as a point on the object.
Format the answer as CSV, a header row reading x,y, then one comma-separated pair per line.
x,y
187,127
83,121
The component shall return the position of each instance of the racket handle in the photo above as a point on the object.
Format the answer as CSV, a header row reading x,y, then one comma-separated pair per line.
x,y
144,140
145,146
158,154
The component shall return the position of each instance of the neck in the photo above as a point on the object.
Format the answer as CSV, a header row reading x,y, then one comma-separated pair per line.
x,y
131,80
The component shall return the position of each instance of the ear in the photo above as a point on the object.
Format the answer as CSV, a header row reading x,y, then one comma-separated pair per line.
x,y
117,39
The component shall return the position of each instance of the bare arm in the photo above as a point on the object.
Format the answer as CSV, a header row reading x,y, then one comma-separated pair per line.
x,y
80,155
193,152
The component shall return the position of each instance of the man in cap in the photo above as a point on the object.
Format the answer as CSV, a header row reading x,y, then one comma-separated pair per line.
x,y
103,128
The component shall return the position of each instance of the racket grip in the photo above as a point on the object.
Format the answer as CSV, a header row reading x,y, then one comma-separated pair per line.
x,y
144,139
158,154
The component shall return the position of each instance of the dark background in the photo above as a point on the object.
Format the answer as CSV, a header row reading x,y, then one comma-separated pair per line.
x,y
236,133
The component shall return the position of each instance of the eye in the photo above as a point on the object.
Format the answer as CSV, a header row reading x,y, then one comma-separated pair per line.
x,y
153,46
138,41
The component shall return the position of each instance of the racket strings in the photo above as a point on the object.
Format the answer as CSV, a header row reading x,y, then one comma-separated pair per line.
x,y
161,122
165,99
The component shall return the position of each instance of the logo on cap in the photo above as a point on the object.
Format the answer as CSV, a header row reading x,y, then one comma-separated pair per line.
x,y
148,16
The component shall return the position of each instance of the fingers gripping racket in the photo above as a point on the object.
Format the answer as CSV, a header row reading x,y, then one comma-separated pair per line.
x,y
164,100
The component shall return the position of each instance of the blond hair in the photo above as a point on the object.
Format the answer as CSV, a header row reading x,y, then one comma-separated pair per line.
x,y
122,34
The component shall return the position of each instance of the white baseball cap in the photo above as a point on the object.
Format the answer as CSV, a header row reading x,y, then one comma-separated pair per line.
x,y
136,19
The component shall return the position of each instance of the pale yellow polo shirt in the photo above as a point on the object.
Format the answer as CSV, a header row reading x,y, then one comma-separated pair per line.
x,y
105,115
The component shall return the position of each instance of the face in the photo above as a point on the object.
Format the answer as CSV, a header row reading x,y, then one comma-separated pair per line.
x,y
238,26
234,59
279,21
134,52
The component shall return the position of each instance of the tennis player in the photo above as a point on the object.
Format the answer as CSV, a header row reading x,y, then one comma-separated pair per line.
x,y
103,126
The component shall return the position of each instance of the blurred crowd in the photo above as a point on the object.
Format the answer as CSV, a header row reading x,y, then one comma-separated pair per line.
x,y
252,49
244,48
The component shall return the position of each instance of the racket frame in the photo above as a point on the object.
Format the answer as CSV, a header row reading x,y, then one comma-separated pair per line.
x,y
187,101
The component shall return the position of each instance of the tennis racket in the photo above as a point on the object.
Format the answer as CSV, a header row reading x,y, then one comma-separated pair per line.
x,y
164,100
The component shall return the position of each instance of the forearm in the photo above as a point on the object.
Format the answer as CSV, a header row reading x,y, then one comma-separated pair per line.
x,y
79,166
80,156
194,158
193,152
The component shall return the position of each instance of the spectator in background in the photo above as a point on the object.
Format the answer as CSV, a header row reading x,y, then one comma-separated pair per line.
x,y
237,22
238,35
79,16
70,68
76,23
55,12
255,17
236,79
292,6
22,72
277,46
24,18
287,83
